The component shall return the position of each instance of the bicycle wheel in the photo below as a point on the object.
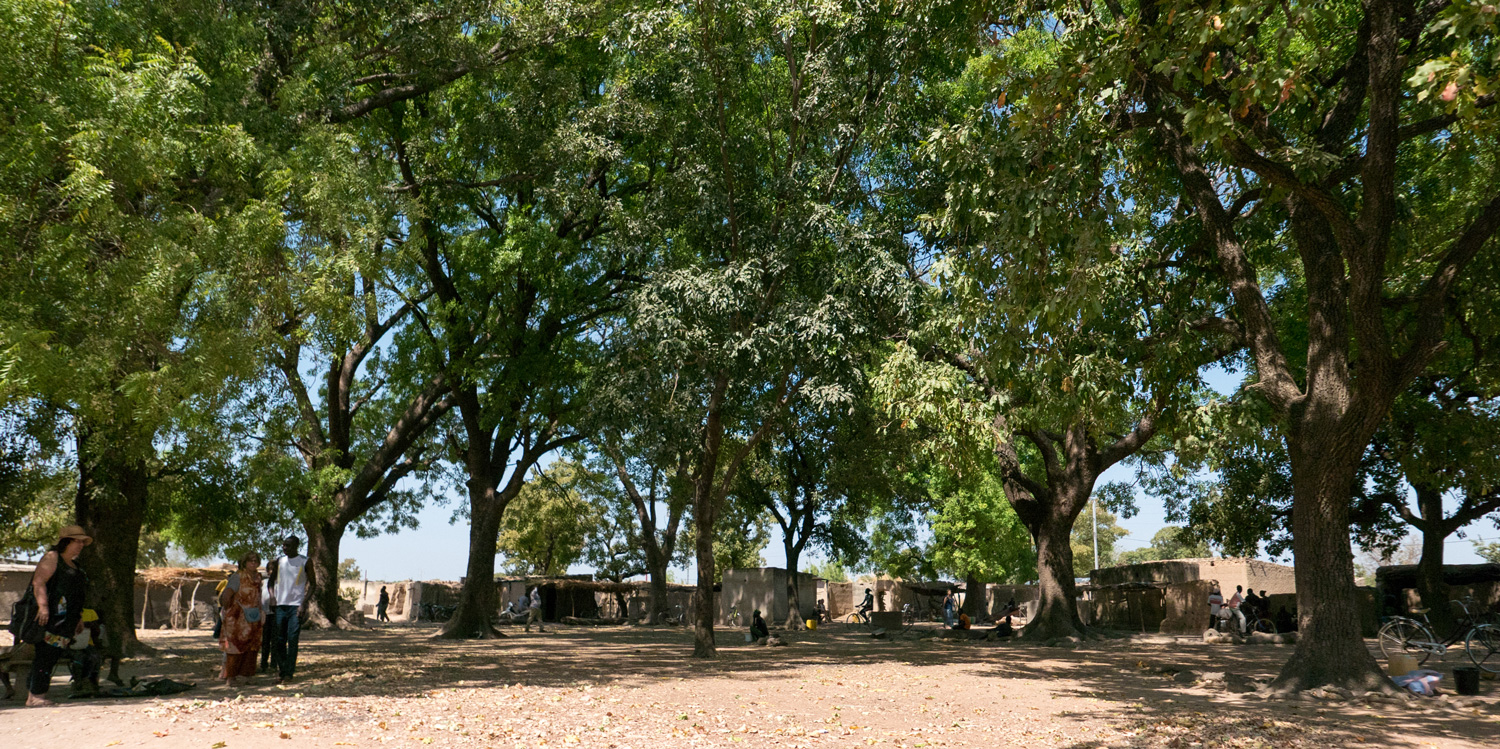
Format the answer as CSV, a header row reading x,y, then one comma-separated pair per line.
x,y
853,619
1483,647
1403,636
1265,626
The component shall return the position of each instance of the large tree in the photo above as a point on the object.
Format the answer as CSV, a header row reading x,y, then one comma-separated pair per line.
x,y
135,215
1346,145
513,223
773,257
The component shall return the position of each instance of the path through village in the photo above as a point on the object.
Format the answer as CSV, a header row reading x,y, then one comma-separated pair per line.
x,y
620,687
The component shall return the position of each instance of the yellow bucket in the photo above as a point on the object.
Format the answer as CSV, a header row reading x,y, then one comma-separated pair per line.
x,y
812,624
1400,664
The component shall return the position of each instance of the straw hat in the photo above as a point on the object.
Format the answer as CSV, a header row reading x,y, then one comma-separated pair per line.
x,y
75,531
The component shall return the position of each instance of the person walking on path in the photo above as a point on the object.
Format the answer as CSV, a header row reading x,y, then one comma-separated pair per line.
x,y
289,579
949,604
240,630
60,587
382,605
534,614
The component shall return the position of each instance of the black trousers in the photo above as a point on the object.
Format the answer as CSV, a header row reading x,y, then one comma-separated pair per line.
x,y
47,657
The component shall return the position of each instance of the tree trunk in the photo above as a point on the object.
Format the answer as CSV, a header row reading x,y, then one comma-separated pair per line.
x,y
475,615
793,589
1057,598
656,592
703,611
1435,596
111,505
1330,646
321,608
974,597
705,515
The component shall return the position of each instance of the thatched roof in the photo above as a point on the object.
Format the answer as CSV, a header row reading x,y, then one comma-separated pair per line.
x,y
597,586
181,575
933,588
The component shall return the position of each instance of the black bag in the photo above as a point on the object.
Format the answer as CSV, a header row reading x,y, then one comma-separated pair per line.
x,y
23,624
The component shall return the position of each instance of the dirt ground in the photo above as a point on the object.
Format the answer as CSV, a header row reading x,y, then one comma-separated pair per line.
x,y
636,687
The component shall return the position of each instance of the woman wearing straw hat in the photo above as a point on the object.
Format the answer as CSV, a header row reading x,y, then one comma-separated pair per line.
x,y
60,587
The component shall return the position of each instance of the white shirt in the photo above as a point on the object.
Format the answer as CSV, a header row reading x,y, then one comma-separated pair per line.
x,y
291,580
1214,602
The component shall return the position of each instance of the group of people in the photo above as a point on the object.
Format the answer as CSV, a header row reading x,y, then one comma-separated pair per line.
x,y
261,615
952,617
526,609
1236,607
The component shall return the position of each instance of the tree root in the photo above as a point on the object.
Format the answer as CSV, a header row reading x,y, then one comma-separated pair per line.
x,y
487,633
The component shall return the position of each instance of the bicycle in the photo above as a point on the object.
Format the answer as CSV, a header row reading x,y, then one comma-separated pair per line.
x,y
855,618
908,615
1254,622
1403,634
736,619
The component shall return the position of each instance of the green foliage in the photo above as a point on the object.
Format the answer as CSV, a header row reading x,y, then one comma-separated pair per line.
x,y
1489,552
741,532
548,523
349,570
975,531
1110,531
1171,542
36,486
830,570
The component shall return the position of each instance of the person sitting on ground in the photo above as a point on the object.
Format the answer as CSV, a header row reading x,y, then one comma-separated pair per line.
x,y
1004,628
758,628
866,606
515,611
1285,622
822,612
963,622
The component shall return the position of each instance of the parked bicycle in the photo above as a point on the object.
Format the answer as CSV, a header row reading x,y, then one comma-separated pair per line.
x,y
433,612
1481,639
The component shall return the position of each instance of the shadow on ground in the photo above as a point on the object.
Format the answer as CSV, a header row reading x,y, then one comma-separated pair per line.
x,y
1125,680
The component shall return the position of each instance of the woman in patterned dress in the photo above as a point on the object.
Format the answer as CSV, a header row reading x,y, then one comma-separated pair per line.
x,y
243,618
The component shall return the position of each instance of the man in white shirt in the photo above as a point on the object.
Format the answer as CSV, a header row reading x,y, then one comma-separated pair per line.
x,y
1234,606
288,581
1215,604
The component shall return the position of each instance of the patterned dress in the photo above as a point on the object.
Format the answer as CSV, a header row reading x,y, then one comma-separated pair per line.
x,y
243,618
